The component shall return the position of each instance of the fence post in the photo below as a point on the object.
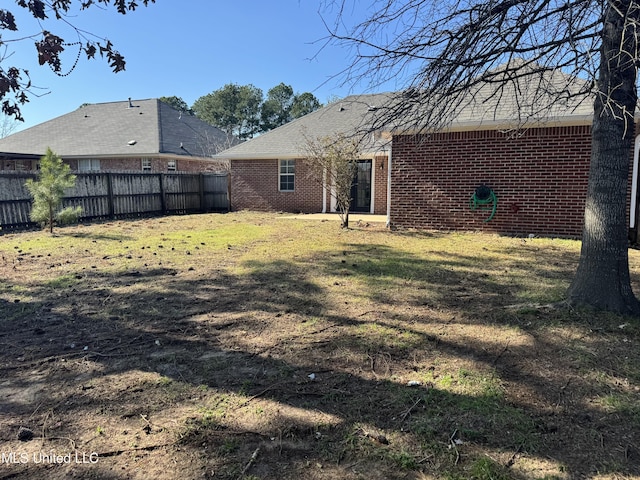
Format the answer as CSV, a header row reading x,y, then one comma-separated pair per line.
x,y
203,206
111,200
163,199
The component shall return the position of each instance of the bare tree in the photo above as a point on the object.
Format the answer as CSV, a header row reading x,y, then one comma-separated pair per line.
x,y
333,162
49,15
8,125
459,53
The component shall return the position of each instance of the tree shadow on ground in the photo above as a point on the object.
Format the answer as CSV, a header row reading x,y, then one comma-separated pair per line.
x,y
272,358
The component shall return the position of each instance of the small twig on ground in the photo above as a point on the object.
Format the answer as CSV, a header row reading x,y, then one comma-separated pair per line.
x,y
249,463
512,460
70,440
36,410
452,444
407,412
115,453
495,360
106,355
259,394
350,466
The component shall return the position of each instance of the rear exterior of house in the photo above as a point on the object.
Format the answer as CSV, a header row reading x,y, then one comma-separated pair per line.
x,y
289,185
535,166
146,164
269,173
539,177
20,163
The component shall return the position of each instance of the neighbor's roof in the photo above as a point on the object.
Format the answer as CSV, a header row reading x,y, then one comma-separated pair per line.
x,y
351,116
119,129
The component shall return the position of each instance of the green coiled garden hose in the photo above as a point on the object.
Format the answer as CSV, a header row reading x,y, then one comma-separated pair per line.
x,y
484,198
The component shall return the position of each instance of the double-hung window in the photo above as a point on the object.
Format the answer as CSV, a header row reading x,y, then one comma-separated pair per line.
x,y
172,166
89,165
287,175
146,164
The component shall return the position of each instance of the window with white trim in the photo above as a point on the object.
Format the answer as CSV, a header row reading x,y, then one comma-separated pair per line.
x,y
89,165
172,166
287,175
146,164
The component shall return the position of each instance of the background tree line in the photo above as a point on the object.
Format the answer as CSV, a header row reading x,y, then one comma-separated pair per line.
x,y
244,111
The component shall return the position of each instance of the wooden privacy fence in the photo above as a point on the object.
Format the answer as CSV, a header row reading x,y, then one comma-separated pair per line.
x,y
119,195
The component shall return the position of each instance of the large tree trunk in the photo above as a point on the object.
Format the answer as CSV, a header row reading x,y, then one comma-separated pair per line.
x,y
602,279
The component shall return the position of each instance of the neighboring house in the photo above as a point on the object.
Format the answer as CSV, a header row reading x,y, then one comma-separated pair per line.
x,y
268,172
138,135
534,161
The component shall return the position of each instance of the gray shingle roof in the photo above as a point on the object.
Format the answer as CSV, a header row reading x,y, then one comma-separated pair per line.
x,y
526,101
117,129
351,115
533,96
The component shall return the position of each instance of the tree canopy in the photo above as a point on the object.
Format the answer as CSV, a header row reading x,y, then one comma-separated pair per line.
x,y
282,105
243,111
15,82
442,54
178,103
234,108
303,104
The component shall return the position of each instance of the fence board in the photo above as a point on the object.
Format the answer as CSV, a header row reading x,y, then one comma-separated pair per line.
x,y
115,195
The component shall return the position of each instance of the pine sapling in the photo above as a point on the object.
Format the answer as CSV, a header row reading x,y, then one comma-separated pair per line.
x,y
47,192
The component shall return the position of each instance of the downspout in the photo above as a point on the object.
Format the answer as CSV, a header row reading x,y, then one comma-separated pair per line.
x,y
334,204
634,189
324,190
389,183
372,202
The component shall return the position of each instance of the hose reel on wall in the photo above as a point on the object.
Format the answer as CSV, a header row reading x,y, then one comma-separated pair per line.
x,y
484,198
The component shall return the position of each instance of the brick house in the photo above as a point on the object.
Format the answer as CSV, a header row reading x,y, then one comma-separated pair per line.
x,y
268,172
138,136
531,151
539,178
534,162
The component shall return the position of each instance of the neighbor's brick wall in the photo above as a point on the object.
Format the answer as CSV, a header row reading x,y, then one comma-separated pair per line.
x,y
255,186
539,176
158,165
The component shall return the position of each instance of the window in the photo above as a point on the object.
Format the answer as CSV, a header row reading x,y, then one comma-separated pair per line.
x,y
23,165
171,166
287,175
146,164
18,165
89,165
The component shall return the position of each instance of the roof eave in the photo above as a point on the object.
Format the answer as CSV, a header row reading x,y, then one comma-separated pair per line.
x,y
286,156
570,121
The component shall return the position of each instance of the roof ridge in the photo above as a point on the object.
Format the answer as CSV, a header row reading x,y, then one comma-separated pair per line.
x,y
159,129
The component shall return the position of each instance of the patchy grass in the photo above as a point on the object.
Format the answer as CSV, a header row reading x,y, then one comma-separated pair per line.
x,y
258,346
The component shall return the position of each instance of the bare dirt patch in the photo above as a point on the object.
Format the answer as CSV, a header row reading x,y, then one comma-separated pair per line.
x,y
253,346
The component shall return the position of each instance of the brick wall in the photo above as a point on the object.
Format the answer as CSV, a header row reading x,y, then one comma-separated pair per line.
x,y
158,165
539,176
255,186
381,168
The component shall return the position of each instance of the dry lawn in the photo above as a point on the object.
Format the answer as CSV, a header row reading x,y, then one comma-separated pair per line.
x,y
256,346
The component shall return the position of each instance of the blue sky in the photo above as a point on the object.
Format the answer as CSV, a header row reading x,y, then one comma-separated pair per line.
x,y
186,48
